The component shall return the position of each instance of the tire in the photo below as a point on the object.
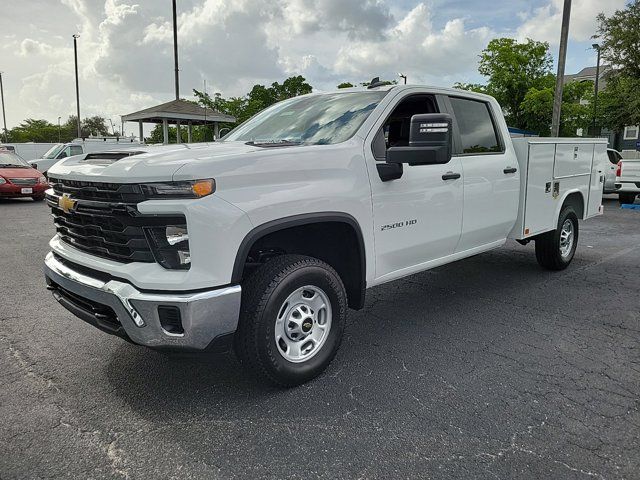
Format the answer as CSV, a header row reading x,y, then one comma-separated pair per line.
x,y
551,247
274,324
38,198
624,198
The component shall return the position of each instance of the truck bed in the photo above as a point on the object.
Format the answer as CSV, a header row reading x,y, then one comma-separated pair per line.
x,y
551,169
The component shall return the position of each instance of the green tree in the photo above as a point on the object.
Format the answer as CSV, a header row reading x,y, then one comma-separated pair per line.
x,y
259,98
34,130
471,87
619,37
512,69
346,85
537,108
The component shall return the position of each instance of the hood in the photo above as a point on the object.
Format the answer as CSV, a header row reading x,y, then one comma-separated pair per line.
x,y
158,164
19,173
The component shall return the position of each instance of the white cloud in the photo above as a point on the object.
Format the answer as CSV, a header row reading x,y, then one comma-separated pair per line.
x,y
126,54
414,47
544,23
30,47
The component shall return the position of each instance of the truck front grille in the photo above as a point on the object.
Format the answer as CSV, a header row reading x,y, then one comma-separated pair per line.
x,y
99,222
99,191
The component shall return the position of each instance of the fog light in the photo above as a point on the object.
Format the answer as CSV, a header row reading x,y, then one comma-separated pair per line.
x,y
176,234
170,246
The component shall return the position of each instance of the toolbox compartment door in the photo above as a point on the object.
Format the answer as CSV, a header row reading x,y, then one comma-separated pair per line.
x,y
596,187
539,201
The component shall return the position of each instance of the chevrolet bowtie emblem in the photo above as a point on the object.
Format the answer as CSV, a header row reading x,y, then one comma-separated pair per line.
x,y
66,203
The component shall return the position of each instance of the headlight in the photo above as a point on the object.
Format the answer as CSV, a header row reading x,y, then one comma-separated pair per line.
x,y
42,180
170,246
183,189
2,180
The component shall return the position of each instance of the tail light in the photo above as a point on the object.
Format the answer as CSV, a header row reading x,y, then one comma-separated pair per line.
x,y
619,169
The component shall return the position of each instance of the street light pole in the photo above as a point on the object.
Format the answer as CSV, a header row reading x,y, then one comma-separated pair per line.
x,y
595,98
175,49
403,77
75,56
4,117
59,129
562,57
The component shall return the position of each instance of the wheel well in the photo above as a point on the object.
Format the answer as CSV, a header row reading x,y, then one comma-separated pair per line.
x,y
577,202
336,241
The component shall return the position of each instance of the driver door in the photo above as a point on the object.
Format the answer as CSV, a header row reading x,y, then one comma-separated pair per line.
x,y
417,217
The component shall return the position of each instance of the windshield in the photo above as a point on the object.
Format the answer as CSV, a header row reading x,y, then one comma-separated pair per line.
x,y
310,120
10,159
53,151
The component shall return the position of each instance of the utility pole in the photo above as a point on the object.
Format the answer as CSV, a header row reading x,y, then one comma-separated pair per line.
x,y
595,98
4,117
562,57
175,49
75,56
59,129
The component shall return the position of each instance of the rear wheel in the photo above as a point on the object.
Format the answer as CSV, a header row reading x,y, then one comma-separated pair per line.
x,y
625,198
555,249
292,319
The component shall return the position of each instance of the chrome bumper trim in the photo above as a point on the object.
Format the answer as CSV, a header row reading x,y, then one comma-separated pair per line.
x,y
205,315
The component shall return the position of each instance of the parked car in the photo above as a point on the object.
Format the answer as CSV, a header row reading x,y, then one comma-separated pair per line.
x,y
264,239
19,179
614,157
628,180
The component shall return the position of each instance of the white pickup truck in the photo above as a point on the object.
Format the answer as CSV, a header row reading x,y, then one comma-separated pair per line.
x,y
628,180
263,240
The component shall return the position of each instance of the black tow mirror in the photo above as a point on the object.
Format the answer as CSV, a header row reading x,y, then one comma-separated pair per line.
x,y
430,138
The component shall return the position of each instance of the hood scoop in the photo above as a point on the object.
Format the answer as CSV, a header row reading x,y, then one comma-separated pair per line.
x,y
107,158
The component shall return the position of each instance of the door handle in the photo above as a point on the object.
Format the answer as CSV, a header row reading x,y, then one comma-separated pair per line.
x,y
510,170
451,176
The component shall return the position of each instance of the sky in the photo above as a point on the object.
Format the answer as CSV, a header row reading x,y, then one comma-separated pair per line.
x,y
126,58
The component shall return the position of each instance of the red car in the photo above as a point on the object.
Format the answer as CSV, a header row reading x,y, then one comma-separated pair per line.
x,y
19,179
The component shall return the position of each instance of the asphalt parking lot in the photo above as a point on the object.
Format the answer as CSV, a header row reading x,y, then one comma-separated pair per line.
x,y
486,368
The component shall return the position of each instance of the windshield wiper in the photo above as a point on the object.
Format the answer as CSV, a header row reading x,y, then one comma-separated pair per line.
x,y
12,165
273,143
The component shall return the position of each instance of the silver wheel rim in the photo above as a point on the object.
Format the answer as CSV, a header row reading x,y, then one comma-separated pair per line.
x,y
566,238
303,324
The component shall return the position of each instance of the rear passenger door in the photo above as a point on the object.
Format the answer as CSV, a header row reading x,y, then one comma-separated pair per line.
x,y
490,173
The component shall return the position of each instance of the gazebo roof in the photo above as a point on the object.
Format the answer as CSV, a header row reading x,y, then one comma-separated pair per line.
x,y
178,110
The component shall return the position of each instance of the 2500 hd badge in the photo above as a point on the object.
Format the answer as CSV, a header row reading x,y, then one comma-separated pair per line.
x,y
406,223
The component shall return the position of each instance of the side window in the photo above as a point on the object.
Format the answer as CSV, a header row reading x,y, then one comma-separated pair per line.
x,y
76,150
64,153
395,131
477,130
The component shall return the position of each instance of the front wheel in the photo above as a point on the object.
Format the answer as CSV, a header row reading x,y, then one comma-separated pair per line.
x,y
555,249
292,319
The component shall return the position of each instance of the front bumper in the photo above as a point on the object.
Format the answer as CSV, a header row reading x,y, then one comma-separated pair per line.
x,y
9,190
628,187
118,308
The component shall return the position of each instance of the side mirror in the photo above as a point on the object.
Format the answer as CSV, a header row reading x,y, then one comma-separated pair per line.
x,y
430,139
